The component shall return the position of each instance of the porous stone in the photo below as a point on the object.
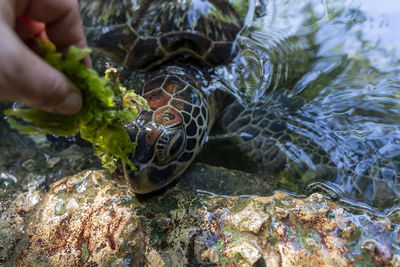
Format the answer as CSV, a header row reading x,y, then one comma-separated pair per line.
x,y
93,219
249,251
14,219
249,219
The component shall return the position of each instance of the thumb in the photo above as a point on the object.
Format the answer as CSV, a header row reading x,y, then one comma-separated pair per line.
x,y
27,79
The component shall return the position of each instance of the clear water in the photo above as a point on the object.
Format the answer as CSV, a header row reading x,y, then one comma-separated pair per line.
x,y
335,64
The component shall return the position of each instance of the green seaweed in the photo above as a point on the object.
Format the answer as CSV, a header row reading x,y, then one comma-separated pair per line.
x,y
239,205
107,106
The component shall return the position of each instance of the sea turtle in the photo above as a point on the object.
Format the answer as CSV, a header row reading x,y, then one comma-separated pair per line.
x,y
177,43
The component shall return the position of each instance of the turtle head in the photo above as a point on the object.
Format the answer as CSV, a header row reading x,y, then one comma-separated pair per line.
x,y
159,135
168,135
157,151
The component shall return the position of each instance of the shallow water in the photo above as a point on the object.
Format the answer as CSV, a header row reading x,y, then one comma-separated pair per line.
x,y
331,67
334,66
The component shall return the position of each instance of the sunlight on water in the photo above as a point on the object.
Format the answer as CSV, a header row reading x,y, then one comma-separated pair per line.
x,y
332,69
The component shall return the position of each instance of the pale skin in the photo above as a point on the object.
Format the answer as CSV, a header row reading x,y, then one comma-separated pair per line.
x,y
24,76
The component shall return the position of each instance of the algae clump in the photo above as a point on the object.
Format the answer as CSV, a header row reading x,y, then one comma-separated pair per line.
x,y
107,106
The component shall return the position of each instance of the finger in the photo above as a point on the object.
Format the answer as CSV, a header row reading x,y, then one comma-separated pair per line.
x,y
27,28
29,80
7,14
63,22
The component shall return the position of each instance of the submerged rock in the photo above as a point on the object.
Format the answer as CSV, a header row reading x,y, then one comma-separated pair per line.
x,y
92,219
14,219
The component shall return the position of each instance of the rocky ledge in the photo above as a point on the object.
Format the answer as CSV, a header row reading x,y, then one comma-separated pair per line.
x,y
92,219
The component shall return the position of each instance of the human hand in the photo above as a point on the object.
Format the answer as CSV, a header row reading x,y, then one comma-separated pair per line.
x,y
24,76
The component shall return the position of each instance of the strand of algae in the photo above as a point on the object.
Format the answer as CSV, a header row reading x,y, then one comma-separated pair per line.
x,y
107,106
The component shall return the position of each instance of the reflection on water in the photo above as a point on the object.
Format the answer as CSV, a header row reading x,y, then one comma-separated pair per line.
x,y
329,72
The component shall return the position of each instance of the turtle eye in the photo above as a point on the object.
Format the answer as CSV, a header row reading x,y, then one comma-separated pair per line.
x,y
168,117
170,145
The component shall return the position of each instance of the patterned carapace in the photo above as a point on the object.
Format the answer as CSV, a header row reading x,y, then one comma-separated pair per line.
x,y
144,34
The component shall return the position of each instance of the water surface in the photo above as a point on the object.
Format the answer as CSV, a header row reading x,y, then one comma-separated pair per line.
x,y
333,66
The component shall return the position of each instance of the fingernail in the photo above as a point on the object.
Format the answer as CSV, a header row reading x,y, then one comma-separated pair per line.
x,y
72,104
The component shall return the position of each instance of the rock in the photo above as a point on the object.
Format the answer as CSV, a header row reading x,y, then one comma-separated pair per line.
x,y
29,165
82,220
7,178
227,182
210,254
53,162
13,220
248,251
155,258
92,219
249,219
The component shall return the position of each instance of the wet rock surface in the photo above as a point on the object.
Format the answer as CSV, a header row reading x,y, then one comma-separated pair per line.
x,y
92,219
13,220
83,220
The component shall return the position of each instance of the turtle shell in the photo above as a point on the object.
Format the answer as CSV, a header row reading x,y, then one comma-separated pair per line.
x,y
144,34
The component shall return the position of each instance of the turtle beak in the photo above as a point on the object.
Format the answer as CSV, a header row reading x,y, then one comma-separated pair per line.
x,y
145,134
145,137
150,178
156,154
146,143
153,168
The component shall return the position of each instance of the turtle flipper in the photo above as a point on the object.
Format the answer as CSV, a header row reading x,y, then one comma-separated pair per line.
x,y
278,143
299,150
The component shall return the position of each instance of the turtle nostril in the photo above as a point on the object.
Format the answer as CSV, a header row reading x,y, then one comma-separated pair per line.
x,y
146,142
132,130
